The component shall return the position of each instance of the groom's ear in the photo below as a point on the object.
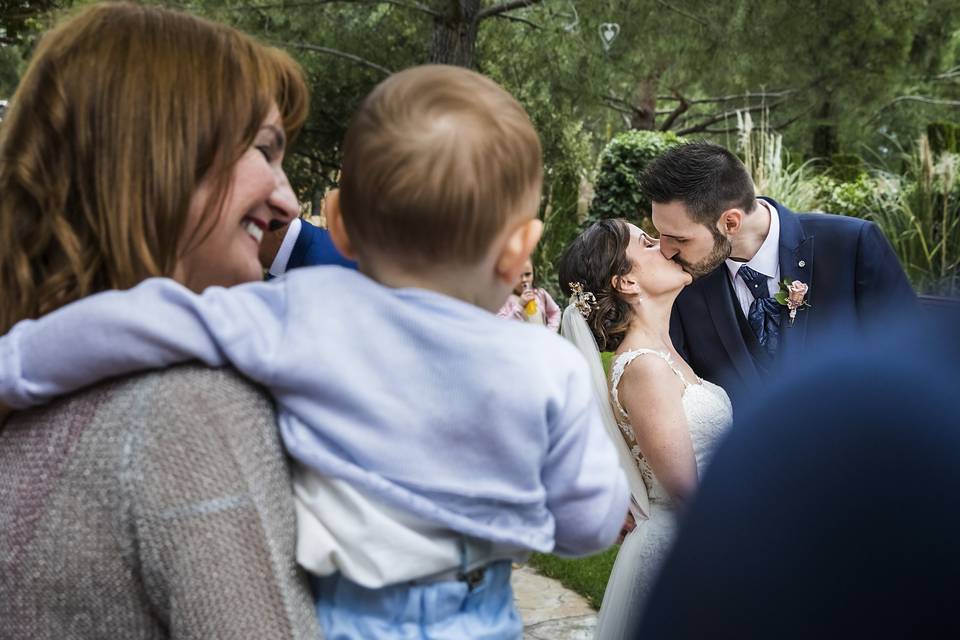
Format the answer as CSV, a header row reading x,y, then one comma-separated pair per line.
x,y
731,221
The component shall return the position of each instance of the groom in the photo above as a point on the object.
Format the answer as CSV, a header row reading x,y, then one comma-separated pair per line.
x,y
739,248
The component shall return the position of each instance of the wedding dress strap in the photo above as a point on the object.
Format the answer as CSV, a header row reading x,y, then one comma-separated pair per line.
x,y
625,358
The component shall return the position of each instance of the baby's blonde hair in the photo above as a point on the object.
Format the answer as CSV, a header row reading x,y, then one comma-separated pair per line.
x,y
436,163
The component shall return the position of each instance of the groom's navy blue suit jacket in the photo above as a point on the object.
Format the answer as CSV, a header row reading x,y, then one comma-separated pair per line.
x,y
853,276
314,247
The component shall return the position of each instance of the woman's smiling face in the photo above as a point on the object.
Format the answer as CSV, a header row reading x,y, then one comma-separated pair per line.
x,y
258,193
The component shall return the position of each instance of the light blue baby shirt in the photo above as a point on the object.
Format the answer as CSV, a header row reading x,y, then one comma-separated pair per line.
x,y
429,403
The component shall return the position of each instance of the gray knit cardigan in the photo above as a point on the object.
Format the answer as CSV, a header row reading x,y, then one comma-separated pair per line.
x,y
157,506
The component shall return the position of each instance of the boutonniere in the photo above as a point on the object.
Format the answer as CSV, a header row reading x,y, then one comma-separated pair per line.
x,y
793,295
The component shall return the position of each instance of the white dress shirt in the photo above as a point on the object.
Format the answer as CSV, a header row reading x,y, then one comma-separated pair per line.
x,y
766,261
279,265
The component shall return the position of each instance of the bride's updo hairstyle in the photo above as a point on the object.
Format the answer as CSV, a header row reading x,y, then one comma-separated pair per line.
x,y
593,259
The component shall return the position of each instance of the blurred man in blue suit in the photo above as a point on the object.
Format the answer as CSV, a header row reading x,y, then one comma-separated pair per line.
x,y
740,248
831,510
298,244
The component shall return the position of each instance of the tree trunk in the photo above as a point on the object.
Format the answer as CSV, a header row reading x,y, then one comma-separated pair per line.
x,y
825,133
455,35
644,103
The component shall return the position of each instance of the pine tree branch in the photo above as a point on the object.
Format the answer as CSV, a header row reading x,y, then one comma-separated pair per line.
x,y
682,107
416,6
949,74
618,108
683,13
922,99
503,7
703,125
504,16
738,96
413,6
339,54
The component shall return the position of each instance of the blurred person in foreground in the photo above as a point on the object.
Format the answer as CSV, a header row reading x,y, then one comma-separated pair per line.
x,y
831,510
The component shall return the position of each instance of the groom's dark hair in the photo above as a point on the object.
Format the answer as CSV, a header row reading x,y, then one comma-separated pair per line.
x,y
705,177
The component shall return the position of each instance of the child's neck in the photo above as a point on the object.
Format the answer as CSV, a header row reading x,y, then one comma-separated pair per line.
x,y
463,283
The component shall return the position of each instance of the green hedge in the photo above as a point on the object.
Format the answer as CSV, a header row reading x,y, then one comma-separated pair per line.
x,y
617,189
857,197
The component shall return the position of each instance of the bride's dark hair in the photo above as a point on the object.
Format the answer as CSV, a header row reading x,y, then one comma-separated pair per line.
x,y
593,259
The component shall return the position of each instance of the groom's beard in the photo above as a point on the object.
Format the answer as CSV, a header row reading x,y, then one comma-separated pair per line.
x,y
720,252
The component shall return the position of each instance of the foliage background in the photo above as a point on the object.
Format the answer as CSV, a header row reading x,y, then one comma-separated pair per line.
x,y
840,93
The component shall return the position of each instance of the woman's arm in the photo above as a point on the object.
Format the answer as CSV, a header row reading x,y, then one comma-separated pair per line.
x,y
153,325
651,394
211,508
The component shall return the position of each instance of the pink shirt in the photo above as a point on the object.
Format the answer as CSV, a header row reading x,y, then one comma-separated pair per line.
x,y
548,312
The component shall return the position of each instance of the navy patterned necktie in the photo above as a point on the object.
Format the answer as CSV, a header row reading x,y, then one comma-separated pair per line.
x,y
765,312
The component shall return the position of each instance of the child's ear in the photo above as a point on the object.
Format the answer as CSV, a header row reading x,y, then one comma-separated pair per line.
x,y
517,249
338,234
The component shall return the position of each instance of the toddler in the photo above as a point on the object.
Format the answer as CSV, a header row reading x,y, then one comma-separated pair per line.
x,y
531,304
428,455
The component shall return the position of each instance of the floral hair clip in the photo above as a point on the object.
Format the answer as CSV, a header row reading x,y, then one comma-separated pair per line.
x,y
584,301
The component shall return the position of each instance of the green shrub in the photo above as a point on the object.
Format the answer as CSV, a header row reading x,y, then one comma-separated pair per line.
x,y
563,176
861,197
617,188
846,167
924,227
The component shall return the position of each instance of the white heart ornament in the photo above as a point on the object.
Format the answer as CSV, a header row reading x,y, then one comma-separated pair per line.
x,y
608,33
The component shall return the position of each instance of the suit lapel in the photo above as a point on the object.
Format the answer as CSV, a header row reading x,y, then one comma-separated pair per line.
x,y
298,256
796,263
716,291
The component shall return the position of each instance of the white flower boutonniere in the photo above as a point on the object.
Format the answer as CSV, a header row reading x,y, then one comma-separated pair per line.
x,y
793,295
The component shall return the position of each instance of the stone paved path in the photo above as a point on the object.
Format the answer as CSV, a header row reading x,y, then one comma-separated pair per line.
x,y
549,610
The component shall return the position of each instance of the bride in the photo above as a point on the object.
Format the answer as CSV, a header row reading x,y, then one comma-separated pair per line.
x,y
665,420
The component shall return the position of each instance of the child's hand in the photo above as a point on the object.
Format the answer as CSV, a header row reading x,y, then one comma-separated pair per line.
x,y
527,296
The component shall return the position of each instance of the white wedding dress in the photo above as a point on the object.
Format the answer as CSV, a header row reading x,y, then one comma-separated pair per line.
x,y
708,412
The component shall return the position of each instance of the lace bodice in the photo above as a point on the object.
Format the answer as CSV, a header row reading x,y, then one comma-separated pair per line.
x,y
705,405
